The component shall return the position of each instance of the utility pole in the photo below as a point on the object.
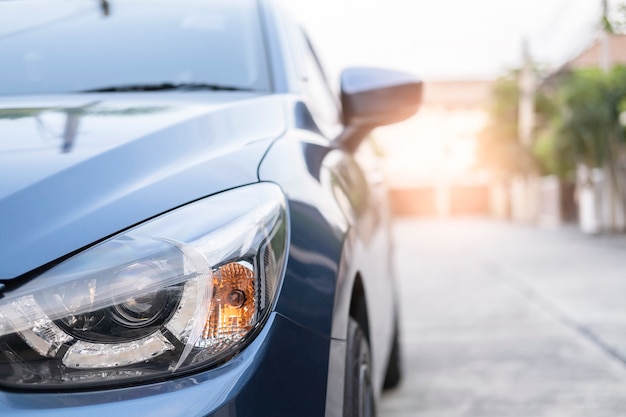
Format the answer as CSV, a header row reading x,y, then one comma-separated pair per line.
x,y
526,125
527,86
605,51
615,199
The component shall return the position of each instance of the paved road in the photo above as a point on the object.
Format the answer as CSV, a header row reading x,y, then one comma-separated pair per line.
x,y
502,320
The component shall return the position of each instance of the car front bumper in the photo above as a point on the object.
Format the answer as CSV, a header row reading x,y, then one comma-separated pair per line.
x,y
283,372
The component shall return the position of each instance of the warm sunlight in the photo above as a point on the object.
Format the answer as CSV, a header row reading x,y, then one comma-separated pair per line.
x,y
438,142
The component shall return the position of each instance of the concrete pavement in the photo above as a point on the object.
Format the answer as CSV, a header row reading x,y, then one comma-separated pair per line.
x,y
504,320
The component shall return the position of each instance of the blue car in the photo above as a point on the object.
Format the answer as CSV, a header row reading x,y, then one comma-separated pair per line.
x,y
192,221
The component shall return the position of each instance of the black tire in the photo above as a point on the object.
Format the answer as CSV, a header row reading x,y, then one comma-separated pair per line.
x,y
394,365
359,400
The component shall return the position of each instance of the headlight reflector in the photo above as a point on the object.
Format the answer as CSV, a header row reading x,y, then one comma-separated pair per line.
x,y
176,293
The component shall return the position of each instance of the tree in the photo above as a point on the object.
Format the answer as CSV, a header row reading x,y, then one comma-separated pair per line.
x,y
498,146
586,130
616,22
585,126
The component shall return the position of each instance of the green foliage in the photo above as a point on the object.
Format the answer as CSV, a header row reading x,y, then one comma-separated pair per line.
x,y
498,147
555,156
617,22
585,128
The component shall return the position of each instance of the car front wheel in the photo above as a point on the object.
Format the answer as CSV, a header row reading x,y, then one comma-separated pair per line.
x,y
359,398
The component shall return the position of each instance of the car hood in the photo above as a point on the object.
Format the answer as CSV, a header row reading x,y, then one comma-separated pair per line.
x,y
76,169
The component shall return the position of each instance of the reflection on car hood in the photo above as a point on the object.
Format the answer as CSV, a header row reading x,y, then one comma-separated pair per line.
x,y
75,169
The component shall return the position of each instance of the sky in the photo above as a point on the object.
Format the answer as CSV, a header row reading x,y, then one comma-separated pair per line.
x,y
447,39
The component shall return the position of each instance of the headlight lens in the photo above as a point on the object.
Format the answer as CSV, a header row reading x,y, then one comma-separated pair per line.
x,y
179,292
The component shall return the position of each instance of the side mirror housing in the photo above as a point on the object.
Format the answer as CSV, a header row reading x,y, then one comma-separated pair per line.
x,y
373,97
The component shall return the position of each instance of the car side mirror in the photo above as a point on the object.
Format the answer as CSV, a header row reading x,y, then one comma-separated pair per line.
x,y
372,97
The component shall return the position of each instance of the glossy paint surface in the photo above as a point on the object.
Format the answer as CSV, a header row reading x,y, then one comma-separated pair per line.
x,y
254,383
339,232
77,169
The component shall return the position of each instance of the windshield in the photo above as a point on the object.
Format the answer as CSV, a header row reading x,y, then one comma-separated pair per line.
x,y
62,46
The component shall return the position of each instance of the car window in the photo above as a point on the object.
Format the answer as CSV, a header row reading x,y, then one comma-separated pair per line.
x,y
62,46
317,85
322,101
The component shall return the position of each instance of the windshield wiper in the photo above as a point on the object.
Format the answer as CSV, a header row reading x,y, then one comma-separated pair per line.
x,y
165,87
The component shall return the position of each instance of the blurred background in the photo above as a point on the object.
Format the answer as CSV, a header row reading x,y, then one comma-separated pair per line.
x,y
509,190
499,131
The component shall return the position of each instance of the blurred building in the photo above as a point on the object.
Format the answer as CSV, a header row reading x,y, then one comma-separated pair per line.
x,y
430,158
592,55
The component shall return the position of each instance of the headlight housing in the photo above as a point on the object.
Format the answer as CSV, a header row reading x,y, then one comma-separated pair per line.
x,y
174,294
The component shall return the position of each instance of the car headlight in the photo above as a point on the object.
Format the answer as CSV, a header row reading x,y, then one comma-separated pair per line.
x,y
174,294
